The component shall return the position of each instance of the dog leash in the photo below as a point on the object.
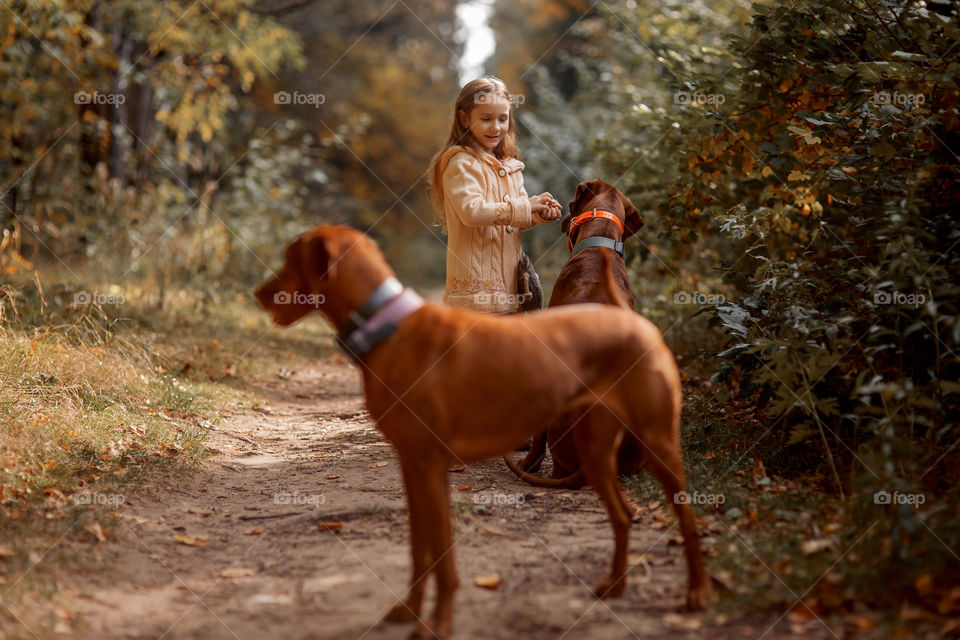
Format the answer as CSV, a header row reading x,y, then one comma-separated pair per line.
x,y
609,243
378,318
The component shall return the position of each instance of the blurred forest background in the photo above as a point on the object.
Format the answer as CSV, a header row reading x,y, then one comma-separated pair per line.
x,y
796,164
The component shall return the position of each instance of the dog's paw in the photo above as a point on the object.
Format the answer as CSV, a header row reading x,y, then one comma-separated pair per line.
x,y
400,612
699,598
610,587
423,632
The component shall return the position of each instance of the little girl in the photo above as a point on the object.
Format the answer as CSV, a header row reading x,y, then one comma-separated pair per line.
x,y
478,194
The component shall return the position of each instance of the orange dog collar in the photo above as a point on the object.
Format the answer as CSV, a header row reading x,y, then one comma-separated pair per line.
x,y
590,215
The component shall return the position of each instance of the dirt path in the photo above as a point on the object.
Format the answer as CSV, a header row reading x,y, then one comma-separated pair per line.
x,y
269,569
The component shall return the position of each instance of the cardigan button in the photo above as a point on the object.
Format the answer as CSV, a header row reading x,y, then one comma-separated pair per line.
x,y
502,172
510,229
506,198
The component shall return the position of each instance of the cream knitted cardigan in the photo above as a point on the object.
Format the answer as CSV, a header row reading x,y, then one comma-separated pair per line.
x,y
485,207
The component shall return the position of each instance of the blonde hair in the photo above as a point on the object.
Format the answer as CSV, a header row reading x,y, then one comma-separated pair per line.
x,y
472,94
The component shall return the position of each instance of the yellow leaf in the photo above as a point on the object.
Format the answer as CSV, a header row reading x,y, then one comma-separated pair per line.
x,y
97,531
190,541
489,581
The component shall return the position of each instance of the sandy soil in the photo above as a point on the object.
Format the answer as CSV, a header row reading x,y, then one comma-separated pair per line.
x,y
273,566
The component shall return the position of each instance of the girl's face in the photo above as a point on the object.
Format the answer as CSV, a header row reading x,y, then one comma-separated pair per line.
x,y
488,121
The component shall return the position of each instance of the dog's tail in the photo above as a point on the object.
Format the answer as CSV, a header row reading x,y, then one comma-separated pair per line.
x,y
614,293
575,480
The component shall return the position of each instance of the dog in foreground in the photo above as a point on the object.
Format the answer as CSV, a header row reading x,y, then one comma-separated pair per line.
x,y
446,385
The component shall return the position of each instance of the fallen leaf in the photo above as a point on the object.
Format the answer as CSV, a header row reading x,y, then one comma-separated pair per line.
x,y
97,531
634,559
6,551
811,547
804,611
377,465
678,621
923,584
456,468
467,488
331,526
861,622
190,541
256,531
237,572
493,531
723,579
333,476
489,581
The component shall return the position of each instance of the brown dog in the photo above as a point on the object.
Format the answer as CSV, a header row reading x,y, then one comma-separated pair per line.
x,y
450,385
592,274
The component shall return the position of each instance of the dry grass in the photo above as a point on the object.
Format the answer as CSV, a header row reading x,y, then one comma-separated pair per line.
x,y
95,400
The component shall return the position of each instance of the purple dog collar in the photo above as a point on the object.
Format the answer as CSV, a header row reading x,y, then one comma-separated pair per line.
x,y
378,321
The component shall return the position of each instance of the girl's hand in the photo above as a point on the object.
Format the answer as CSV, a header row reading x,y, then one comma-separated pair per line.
x,y
545,207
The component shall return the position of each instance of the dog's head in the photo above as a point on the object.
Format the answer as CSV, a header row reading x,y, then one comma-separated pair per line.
x,y
597,194
309,279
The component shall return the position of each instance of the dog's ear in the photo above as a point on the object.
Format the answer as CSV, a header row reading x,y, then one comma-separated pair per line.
x,y
631,216
316,260
583,190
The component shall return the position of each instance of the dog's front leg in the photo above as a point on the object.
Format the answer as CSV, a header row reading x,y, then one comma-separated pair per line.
x,y
538,451
408,609
436,528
